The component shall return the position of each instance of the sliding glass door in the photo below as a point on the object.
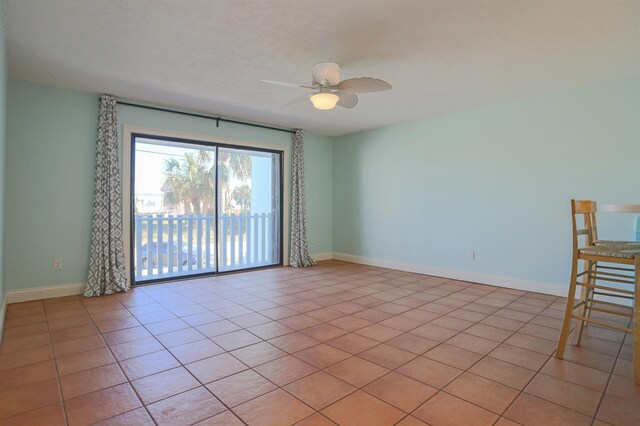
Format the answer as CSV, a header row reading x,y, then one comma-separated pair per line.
x,y
200,208
249,209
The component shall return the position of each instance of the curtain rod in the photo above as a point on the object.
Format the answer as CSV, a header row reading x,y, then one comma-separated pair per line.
x,y
217,119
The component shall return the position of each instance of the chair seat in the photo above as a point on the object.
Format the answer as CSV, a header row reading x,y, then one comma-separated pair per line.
x,y
621,251
633,244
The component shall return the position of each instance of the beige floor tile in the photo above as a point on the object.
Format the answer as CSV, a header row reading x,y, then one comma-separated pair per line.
x,y
136,348
529,410
240,387
165,384
294,342
453,356
101,405
576,373
618,411
25,357
412,343
235,340
362,409
518,356
216,367
316,420
52,415
88,381
84,361
285,370
434,332
387,356
430,372
322,356
400,391
226,418
572,396
137,417
485,393
276,408
353,343
357,371
27,375
260,353
379,332
319,390
30,397
185,408
23,343
503,372
444,409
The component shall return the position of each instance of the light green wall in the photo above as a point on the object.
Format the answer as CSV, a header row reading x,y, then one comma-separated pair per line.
x,y
49,184
496,180
50,153
3,133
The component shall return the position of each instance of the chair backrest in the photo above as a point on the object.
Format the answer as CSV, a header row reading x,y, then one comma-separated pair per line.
x,y
587,209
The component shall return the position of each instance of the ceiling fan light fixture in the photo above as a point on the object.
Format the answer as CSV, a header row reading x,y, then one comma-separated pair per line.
x,y
324,100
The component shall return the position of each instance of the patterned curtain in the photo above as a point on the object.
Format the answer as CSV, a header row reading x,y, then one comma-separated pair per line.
x,y
299,246
107,272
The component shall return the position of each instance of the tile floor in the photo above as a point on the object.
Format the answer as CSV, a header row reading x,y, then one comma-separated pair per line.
x,y
334,344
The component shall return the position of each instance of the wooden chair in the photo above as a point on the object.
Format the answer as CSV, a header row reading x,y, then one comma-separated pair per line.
x,y
608,262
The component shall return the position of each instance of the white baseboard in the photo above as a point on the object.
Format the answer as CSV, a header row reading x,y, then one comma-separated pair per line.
x,y
322,256
3,311
17,296
476,277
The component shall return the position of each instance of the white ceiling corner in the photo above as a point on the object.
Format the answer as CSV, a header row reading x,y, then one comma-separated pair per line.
x,y
209,55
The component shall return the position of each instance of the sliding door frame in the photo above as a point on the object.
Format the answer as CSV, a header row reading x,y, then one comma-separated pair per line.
x,y
208,140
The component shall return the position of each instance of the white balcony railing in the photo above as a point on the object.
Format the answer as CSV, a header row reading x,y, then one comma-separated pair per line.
x,y
171,246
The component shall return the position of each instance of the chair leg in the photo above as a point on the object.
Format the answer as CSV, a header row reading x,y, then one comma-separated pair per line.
x,y
585,298
568,312
636,323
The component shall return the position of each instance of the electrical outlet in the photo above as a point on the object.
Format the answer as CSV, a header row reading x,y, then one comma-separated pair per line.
x,y
57,264
317,243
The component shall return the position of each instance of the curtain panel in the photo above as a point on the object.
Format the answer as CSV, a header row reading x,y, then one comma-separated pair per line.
x,y
107,272
299,244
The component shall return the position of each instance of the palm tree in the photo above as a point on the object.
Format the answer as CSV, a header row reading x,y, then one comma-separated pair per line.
x,y
191,180
231,165
242,196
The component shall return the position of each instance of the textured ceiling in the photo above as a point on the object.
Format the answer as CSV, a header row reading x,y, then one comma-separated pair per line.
x,y
441,56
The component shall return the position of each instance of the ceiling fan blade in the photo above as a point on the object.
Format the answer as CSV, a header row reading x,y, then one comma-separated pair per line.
x,y
288,84
347,100
363,85
327,73
299,99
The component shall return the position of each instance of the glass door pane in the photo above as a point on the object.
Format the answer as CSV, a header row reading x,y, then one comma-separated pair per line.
x,y
174,209
249,208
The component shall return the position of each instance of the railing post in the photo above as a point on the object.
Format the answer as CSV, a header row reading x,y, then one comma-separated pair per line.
x,y
249,239
189,241
138,237
222,241
160,246
232,237
263,243
150,245
198,243
179,225
170,244
207,247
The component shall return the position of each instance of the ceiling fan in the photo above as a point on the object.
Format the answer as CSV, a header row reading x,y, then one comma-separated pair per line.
x,y
329,91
